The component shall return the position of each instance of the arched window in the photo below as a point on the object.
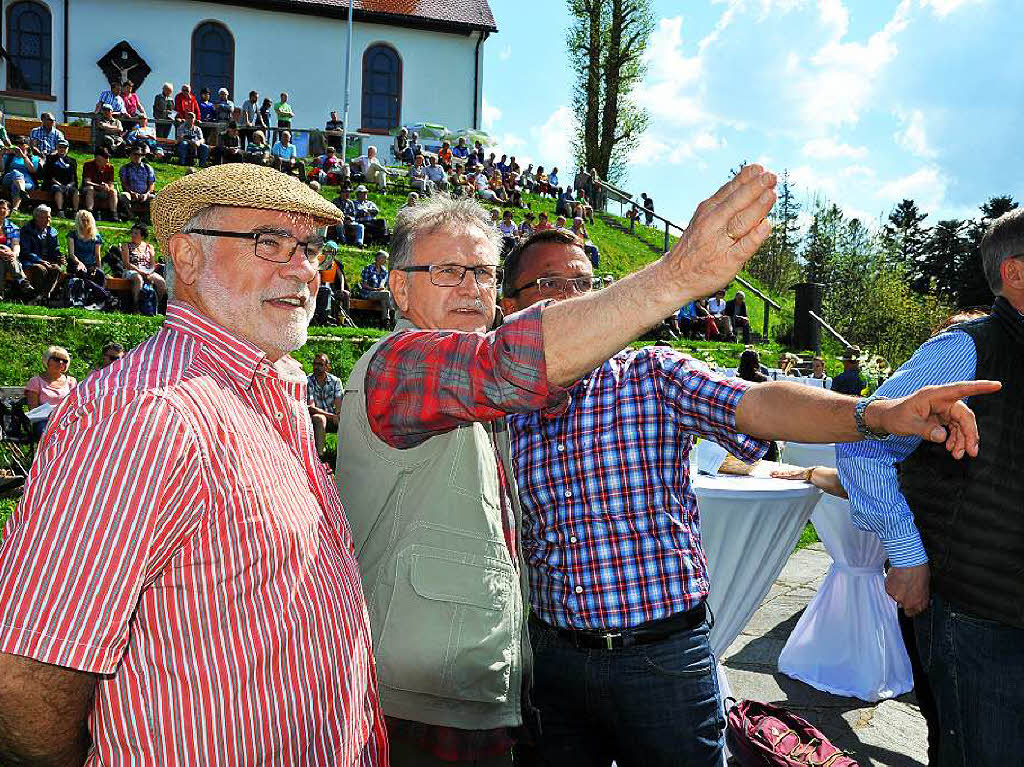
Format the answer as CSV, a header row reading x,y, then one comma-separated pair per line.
x,y
213,59
382,89
28,47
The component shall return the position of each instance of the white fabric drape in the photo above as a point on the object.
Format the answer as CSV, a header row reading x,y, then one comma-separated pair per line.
x,y
848,640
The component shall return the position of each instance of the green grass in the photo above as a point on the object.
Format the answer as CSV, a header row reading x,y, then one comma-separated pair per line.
x,y
808,536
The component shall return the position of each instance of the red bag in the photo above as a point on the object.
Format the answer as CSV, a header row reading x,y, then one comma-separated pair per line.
x,y
762,735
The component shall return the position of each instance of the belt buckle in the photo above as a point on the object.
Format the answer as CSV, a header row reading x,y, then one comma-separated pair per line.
x,y
608,639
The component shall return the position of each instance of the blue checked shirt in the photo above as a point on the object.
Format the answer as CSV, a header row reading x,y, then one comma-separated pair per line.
x,y
374,277
136,177
611,530
868,469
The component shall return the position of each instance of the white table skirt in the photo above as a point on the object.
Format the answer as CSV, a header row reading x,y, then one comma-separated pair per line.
x,y
749,526
848,640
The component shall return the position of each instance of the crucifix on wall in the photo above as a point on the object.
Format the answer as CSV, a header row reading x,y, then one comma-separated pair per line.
x,y
121,63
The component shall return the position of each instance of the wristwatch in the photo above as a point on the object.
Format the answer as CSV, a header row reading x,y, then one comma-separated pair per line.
x,y
862,428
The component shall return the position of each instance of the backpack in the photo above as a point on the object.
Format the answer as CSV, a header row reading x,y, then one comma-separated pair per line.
x,y
762,735
147,300
75,293
324,314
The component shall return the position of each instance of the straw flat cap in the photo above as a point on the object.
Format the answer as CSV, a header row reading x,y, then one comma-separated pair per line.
x,y
237,185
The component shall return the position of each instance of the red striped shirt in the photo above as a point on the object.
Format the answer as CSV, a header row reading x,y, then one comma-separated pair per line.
x,y
180,538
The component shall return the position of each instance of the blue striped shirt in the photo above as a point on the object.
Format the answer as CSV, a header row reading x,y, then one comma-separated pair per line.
x,y
868,469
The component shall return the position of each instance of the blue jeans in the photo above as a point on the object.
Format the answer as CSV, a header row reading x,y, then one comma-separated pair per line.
x,y
187,151
976,668
655,705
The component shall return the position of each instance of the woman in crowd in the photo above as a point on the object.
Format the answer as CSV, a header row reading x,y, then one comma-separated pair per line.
x,y
139,261
20,170
750,367
52,386
85,246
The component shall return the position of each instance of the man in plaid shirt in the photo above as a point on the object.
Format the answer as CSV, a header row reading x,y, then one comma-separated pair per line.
x,y
611,529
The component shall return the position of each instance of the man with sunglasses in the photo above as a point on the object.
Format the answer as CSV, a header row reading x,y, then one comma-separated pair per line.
x,y
424,468
205,608
611,532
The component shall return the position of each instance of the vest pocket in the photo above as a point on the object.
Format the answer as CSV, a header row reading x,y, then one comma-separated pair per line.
x,y
449,626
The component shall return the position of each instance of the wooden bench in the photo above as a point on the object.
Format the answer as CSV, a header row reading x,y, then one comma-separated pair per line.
x,y
372,307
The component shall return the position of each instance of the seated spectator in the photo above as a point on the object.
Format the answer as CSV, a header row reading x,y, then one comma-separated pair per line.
x,y
110,132
716,307
111,353
10,250
736,311
418,177
371,169
478,151
113,99
5,140
21,168
526,228
331,169
542,222
750,367
339,285
368,215
191,142
711,331
373,282
483,187
334,129
509,233
497,186
411,199
207,109
401,146
349,231
163,105
472,166
98,183
580,230
324,393
462,185
40,254
184,102
502,164
52,386
460,151
514,166
436,175
415,147
144,135
257,151
285,156
229,146
138,260
85,250
787,364
560,223
818,372
444,156
528,178
850,380
512,193
132,108
553,181
138,182
60,177
685,322
224,107
44,138
490,163
583,209
541,185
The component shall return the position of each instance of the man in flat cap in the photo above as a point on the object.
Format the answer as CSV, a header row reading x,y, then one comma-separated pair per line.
x,y
205,607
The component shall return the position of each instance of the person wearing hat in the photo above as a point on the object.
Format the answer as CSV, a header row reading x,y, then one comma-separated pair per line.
x,y
373,285
205,607
98,183
138,181
191,142
850,380
229,146
44,138
60,177
368,214
110,131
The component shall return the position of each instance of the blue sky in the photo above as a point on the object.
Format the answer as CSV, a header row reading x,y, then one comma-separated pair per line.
x,y
864,101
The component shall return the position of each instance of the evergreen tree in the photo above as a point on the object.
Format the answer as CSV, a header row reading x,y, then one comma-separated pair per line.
x,y
972,287
775,262
904,239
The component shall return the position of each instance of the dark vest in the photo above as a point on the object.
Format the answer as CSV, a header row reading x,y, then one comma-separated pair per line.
x,y
971,512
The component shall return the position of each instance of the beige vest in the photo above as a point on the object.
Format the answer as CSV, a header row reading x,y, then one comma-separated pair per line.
x,y
446,603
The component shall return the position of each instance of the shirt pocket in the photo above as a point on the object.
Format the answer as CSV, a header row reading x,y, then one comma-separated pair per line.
x,y
450,625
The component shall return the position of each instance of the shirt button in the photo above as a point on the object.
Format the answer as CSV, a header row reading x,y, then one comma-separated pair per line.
x,y
278,416
579,589
572,539
568,493
561,448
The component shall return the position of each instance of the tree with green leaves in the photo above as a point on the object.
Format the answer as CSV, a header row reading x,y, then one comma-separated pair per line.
x,y
606,41
904,238
775,262
973,288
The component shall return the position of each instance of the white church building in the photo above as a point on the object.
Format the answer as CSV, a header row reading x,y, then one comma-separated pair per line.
x,y
412,60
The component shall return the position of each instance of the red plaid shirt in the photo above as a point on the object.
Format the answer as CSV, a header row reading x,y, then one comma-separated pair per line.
x,y
422,383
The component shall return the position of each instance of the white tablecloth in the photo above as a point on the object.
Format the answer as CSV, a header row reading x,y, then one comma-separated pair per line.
x,y
848,640
749,526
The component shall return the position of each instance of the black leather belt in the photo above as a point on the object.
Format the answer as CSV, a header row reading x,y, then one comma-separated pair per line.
x,y
645,633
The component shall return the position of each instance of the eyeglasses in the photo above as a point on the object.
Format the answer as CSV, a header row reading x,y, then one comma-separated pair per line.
x,y
559,286
274,247
451,275
62,360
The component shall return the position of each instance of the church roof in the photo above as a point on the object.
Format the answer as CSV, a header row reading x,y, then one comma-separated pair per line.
x,y
444,15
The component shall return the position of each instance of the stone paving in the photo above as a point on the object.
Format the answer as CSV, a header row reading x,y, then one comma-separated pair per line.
x,y
890,734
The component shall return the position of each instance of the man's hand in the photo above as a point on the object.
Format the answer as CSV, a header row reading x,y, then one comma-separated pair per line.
x,y
934,413
909,586
725,231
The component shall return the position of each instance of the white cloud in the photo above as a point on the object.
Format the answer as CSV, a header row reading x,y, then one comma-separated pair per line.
x,y
943,8
491,114
913,136
552,140
927,186
830,149
505,54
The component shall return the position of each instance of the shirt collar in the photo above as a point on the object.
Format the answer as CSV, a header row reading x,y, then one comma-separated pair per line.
x,y
238,357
